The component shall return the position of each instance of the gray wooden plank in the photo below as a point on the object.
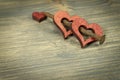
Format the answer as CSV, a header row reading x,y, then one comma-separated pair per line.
x,y
37,51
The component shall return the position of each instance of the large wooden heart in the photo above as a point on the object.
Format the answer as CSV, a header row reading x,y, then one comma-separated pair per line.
x,y
80,22
58,17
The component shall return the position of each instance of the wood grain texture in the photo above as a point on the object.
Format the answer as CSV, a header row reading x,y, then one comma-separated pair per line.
x,y
37,51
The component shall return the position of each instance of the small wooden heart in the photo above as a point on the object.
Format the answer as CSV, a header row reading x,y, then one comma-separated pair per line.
x,y
80,22
58,17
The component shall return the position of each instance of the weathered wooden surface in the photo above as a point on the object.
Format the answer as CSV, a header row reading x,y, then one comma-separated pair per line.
x,y
33,51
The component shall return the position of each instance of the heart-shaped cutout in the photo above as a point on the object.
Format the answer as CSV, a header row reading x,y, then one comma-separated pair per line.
x,y
58,17
80,22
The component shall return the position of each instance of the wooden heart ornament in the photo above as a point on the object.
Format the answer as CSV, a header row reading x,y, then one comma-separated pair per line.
x,y
58,17
63,20
80,22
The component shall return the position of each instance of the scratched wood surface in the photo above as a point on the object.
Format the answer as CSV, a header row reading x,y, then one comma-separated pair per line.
x,y
37,51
